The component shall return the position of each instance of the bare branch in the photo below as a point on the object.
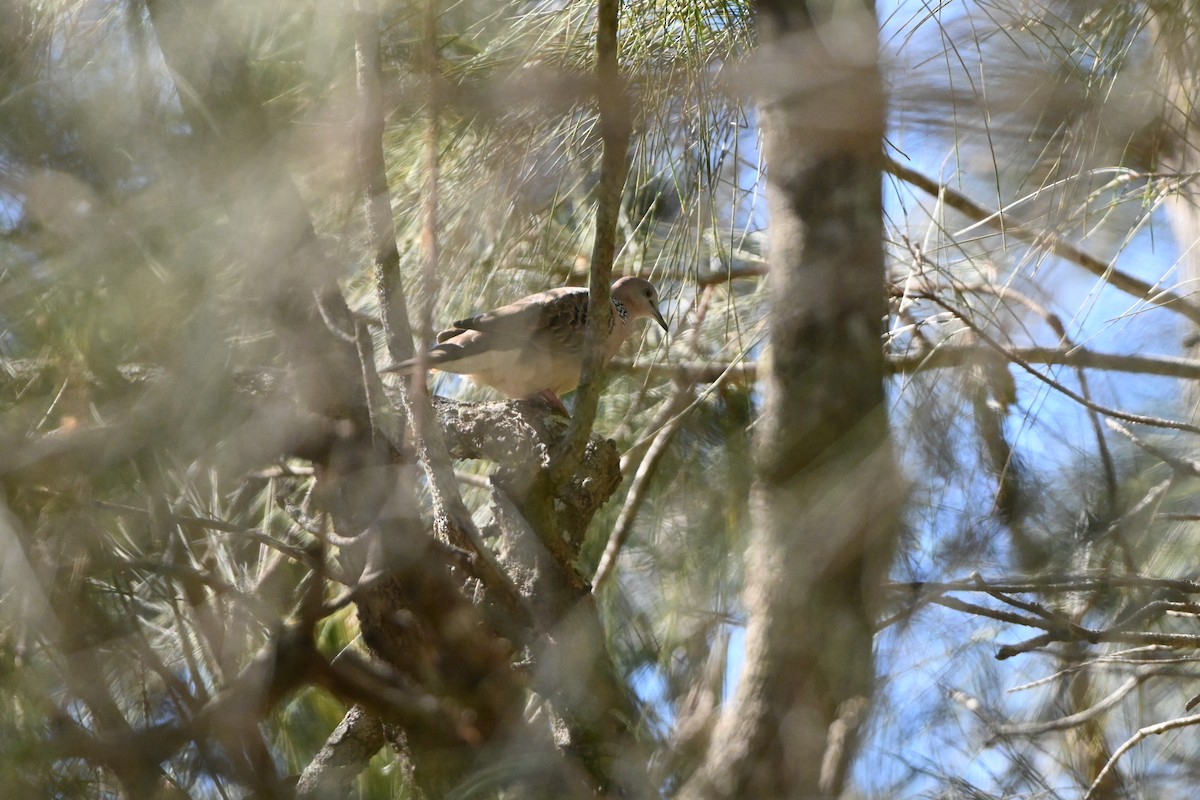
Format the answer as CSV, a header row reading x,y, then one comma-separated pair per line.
x,y
1184,466
943,356
1073,720
1141,419
1052,584
998,221
1056,628
633,500
452,513
947,355
1132,741
615,129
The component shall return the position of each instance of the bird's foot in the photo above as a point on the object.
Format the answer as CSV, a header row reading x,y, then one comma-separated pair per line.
x,y
550,399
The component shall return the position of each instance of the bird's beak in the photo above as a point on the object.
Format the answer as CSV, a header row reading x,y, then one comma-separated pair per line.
x,y
658,317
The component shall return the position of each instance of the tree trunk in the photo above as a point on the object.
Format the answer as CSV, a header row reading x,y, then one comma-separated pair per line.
x,y
826,494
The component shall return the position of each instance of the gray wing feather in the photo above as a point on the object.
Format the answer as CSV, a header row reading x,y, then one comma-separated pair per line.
x,y
551,320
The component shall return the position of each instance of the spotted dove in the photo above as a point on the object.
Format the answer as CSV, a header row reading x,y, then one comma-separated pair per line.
x,y
534,346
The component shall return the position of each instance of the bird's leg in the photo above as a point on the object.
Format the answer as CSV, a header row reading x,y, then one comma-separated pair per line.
x,y
549,398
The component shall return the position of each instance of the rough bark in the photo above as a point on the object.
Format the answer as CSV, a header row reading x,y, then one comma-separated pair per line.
x,y
825,499
334,769
539,525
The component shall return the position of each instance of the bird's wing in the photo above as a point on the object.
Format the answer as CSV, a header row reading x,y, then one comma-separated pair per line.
x,y
553,320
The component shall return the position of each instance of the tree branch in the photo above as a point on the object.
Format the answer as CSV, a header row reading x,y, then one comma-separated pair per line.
x,y
1072,720
637,493
450,511
946,356
1132,741
372,168
1051,583
1054,627
997,221
1141,419
615,132
345,754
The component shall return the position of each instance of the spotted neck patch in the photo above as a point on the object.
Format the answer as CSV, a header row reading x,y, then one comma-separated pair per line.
x,y
620,309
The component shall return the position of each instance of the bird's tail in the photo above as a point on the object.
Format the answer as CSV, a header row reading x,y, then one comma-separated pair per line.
x,y
432,360
407,366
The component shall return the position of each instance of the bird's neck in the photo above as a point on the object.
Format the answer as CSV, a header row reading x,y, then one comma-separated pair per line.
x,y
618,328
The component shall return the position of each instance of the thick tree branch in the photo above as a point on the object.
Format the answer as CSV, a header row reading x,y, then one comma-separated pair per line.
x,y
345,754
381,228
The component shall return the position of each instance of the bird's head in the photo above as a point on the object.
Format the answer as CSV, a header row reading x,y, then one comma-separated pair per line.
x,y
639,297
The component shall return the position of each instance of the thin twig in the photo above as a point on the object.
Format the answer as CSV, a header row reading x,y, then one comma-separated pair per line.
x,y
1165,298
1037,609
633,500
614,123
1052,583
449,508
298,554
1132,741
1119,657
1065,341
1072,720
1184,466
945,355
1055,629
1141,419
